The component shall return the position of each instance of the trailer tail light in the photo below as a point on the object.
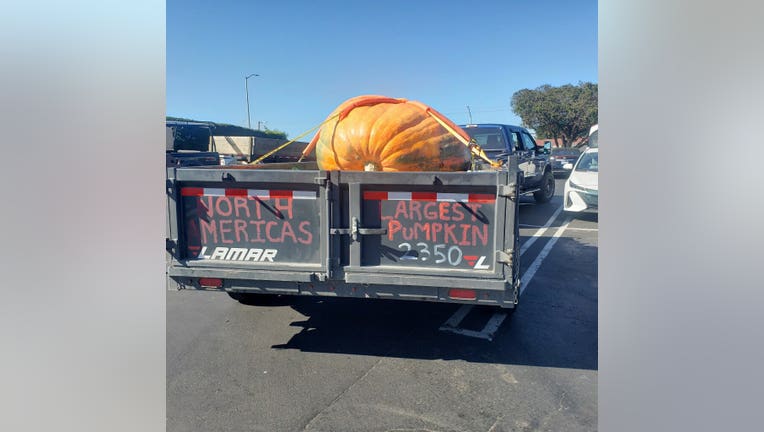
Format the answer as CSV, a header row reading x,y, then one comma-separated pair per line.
x,y
210,282
464,294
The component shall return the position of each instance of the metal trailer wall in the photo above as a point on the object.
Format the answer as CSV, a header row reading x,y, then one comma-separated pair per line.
x,y
412,235
248,148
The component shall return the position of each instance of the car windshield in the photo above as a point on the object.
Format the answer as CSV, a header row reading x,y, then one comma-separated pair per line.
x,y
489,138
561,151
589,162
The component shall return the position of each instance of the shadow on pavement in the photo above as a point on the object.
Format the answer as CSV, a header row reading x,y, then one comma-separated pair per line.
x,y
586,216
554,326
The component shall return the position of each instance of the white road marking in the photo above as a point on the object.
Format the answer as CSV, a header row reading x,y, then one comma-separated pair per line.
x,y
582,229
458,316
528,243
493,324
465,332
570,228
528,275
487,332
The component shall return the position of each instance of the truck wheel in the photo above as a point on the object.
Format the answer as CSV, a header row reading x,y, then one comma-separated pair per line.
x,y
547,189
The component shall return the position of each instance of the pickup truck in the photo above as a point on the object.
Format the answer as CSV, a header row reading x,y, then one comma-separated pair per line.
x,y
499,141
293,229
186,145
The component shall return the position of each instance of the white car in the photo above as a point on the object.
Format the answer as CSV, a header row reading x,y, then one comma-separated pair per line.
x,y
582,187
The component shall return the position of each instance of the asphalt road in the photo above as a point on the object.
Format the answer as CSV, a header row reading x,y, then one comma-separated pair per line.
x,y
318,364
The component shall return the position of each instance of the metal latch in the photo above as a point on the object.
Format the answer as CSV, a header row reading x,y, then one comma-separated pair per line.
x,y
508,191
505,257
355,230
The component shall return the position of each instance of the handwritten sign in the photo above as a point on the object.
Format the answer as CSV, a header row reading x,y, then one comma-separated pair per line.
x,y
429,232
251,228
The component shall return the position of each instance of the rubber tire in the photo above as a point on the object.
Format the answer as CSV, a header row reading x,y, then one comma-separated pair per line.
x,y
545,194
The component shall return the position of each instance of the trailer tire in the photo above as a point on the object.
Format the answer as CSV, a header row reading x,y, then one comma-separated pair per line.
x,y
547,188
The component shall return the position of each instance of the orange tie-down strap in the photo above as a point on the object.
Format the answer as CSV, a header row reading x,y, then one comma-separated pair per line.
x,y
440,118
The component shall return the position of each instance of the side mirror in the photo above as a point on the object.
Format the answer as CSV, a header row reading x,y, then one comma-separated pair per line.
x,y
567,166
547,148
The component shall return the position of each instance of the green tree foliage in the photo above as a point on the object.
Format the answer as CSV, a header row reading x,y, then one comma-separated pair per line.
x,y
566,112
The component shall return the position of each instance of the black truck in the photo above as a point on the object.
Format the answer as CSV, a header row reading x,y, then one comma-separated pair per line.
x,y
187,144
499,141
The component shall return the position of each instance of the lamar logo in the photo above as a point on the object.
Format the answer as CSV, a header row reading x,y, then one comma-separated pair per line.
x,y
239,254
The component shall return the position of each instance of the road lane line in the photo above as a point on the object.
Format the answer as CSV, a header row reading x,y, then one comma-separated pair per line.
x,y
528,243
570,228
465,332
528,275
493,324
488,331
457,317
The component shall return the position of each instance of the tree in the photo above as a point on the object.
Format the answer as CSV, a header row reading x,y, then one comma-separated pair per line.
x,y
566,112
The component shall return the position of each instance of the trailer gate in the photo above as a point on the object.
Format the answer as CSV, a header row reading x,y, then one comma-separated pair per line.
x,y
420,235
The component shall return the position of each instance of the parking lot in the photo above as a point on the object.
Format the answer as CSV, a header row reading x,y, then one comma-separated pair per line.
x,y
328,364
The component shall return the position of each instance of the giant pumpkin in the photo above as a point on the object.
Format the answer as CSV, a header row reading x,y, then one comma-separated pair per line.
x,y
378,133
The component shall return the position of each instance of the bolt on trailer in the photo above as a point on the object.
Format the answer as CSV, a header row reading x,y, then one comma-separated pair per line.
x,y
431,236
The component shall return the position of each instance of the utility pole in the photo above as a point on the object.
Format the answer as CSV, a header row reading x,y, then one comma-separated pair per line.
x,y
246,89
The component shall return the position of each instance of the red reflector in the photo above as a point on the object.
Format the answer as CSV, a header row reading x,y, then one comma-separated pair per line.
x,y
375,195
424,196
236,192
466,294
191,191
280,194
211,282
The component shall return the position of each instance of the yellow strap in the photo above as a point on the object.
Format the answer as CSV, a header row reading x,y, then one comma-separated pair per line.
x,y
472,145
260,159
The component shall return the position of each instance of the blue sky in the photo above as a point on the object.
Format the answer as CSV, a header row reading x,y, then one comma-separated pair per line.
x,y
312,55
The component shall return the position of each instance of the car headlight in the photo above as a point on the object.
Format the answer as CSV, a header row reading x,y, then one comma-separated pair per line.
x,y
575,186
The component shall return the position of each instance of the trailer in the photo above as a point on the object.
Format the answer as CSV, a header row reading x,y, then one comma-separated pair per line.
x,y
292,229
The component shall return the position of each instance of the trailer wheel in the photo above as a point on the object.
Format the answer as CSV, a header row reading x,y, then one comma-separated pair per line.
x,y
547,189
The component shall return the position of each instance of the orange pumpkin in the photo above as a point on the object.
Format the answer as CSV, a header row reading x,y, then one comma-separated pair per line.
x,y
378,133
